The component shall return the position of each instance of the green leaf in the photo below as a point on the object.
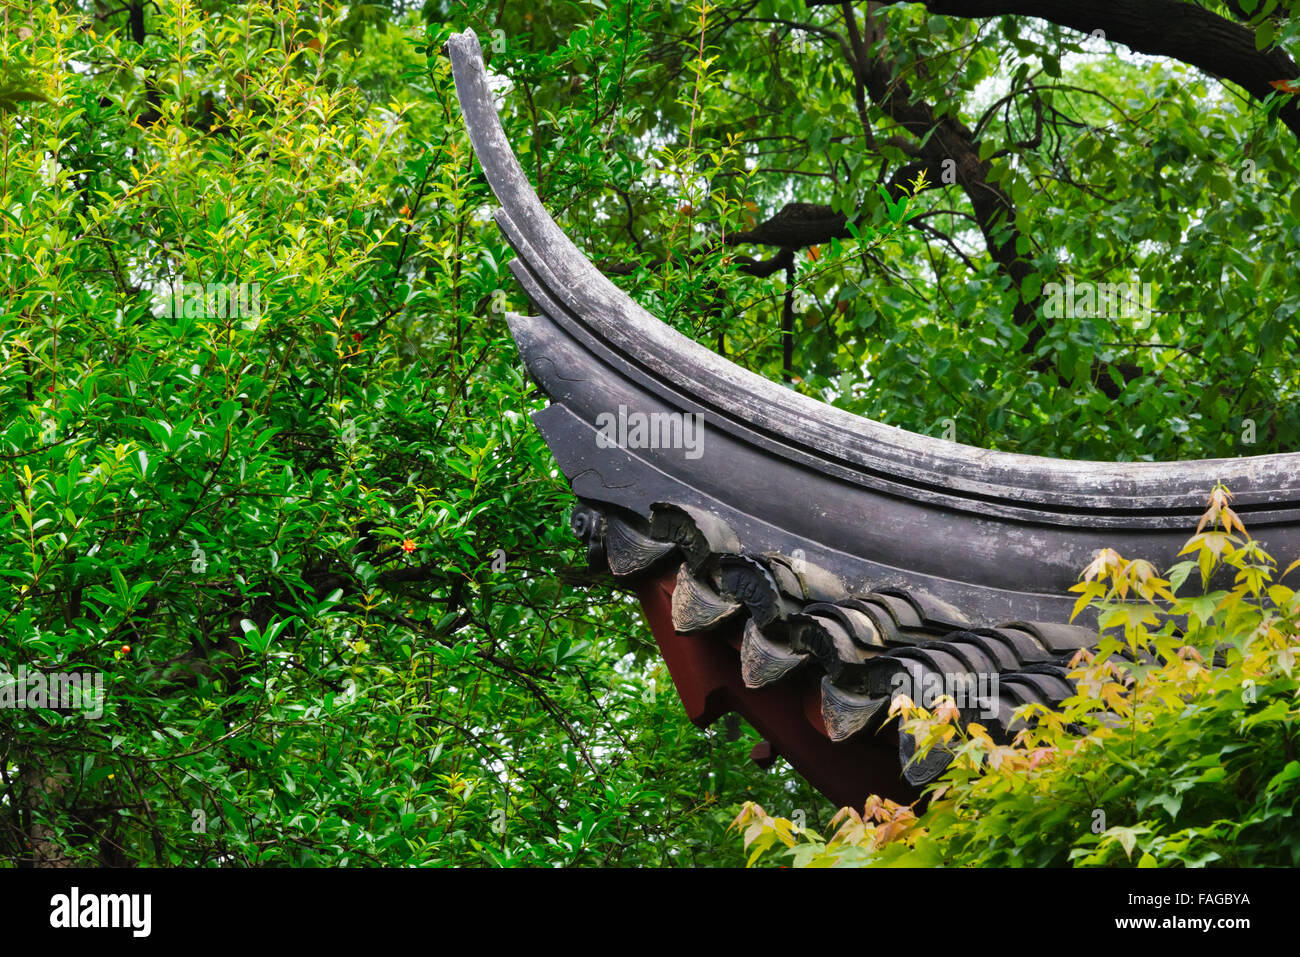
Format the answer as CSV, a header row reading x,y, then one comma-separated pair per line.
x,y
119,582
1288,773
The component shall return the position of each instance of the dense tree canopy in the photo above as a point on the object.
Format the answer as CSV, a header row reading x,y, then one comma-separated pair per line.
x,y
265,459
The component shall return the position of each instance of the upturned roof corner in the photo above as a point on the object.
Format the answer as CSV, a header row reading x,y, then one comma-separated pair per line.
x,y
821,553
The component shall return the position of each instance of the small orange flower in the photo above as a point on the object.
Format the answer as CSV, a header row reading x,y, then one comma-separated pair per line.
x,y
406,212
126,649
408,545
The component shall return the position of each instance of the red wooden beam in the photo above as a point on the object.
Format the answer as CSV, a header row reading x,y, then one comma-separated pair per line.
x,y
706,671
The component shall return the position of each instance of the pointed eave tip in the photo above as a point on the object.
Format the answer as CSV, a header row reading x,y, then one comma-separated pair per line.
x,y
520,326
464,43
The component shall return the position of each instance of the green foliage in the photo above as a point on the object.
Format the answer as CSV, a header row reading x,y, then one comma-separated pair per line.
x,y
308,535
316,547
1179,748
1115,170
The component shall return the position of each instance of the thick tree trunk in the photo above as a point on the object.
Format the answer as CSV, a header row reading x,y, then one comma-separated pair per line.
x,y
41,789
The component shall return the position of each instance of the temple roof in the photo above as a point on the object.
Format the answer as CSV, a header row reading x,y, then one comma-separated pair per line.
x,y
825,547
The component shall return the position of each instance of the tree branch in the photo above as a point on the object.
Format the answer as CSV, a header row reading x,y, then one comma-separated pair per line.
x,y
1171,28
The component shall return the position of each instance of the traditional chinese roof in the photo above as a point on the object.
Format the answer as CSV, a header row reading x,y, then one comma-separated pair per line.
x,y
832,557
789,619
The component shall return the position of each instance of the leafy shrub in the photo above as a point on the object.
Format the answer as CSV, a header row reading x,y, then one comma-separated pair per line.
x,y
1179,748
311,542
